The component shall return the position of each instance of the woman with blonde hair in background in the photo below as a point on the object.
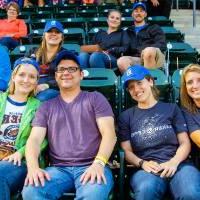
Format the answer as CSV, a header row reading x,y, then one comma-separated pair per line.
x,y
17,109
190,100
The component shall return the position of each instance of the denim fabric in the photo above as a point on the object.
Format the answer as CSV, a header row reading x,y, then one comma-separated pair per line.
x,y
97,60
184,185
66,179
47,94
9,42
11,179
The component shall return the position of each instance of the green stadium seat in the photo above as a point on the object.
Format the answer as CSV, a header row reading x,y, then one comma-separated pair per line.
x,y
41,15
176,83
74,35
104,81
161,82
47,7
65,7
86,13
62,14
38,23
77,22
181,55
93,31
72,47
172,34
97,22
160,20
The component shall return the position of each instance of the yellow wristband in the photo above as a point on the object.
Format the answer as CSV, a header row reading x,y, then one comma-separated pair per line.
x,y
103,159
100,162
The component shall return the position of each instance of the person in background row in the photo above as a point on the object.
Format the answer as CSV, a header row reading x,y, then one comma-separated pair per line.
x,y
190,100
80,129
51,44
154,137
147,42
12,29
28,3
112,42
5,68
17,109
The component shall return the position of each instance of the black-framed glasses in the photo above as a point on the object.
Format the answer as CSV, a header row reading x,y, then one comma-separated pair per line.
x,y
70,69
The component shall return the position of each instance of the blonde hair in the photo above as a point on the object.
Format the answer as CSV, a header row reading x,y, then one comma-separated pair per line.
x,y
11,88
14,5
41,53
186,101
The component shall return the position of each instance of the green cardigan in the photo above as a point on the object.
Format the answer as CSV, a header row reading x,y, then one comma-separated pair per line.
x,y
25,124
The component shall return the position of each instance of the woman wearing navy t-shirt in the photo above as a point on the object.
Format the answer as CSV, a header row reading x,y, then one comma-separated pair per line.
x,y
190,100
154,137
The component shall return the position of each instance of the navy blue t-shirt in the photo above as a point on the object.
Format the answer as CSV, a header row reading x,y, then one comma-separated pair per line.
x,y
152,132
192,120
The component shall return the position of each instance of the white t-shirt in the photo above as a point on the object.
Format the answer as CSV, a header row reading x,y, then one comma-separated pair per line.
x,y
10,124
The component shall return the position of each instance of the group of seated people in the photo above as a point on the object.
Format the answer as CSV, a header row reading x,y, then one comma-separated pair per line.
x,y
76,128
141,43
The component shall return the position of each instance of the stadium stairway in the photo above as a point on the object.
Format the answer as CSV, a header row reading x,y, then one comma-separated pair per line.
x,y
183,21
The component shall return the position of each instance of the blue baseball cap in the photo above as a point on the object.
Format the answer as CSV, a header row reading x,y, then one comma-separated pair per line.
x,y
25,60
53,24
66,55
139,4
135,72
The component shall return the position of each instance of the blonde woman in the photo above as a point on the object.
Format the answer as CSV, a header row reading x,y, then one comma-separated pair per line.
x,y
190,100
17,109
51,44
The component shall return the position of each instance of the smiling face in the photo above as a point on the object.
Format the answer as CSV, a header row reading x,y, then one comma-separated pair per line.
x,y
139,15
141,90
25,79
12,13
53,37
192,81
114,19
68,78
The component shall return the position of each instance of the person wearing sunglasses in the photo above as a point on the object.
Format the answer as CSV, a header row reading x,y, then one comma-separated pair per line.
x,y
81,137
12,29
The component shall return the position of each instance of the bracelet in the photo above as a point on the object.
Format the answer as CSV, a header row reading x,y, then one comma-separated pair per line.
x,y
103,159
99,162
141,162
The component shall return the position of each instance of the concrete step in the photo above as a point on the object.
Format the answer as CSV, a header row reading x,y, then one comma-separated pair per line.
x,y
183,21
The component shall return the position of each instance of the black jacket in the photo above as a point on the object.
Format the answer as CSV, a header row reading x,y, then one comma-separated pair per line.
x,y
149,36
116,43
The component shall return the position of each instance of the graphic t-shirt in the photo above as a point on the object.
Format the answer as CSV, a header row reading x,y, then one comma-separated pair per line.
x,y
152,132
10,124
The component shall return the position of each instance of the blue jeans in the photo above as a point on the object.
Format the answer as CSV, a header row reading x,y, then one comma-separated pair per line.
x,y
9,42
184,185
66,179
11,179
47,94
97,60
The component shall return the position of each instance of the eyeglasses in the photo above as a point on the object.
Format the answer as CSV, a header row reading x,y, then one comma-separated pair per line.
x,y
10,9
70,69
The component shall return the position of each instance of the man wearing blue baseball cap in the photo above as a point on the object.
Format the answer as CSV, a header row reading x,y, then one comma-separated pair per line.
x,y
147,42
80,129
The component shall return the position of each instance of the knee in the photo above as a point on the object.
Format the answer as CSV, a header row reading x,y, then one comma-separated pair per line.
x,y
123,63
95,56
32,193
96,192
190,194
149,53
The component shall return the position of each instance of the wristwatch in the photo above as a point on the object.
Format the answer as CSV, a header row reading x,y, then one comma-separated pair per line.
x,y
140,163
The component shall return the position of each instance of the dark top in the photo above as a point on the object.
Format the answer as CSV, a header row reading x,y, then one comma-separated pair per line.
x,y
153,131
116,43
148,36
192,120
47,70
